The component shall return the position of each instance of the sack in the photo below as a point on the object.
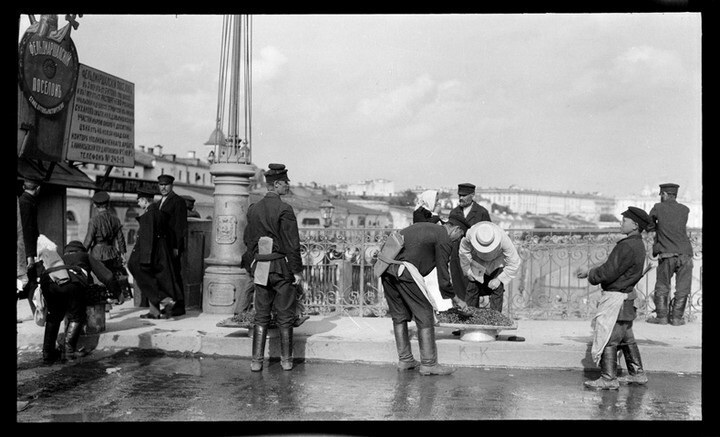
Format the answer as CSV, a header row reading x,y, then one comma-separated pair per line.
x,y
390,249
40,307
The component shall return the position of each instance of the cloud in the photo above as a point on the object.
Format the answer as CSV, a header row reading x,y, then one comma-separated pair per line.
x,y
402,102
268,65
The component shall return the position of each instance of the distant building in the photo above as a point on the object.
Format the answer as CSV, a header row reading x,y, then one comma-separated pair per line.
x,y
374,187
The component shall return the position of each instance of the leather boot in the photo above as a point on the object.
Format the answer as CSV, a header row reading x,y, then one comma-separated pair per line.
x,y
636,374
50,352
677,308
402,342
258,348
428,354
286,348
72,335
661,310
608,371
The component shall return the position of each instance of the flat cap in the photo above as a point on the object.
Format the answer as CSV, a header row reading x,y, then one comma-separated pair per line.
x,y
276,172
188,198
165,179
74,246
465,189
101,197
669,188
145,193
637,215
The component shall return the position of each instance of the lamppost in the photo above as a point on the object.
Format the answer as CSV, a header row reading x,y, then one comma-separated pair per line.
x,y
230,167
326,212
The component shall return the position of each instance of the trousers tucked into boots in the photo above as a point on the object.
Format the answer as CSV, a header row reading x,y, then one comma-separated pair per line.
x,y
402,342
50,352
636,374
608,371
661,310
428,354
677,308
286,347
258,348
72,335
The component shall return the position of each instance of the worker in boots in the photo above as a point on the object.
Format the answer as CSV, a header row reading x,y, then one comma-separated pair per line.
x,y
612,325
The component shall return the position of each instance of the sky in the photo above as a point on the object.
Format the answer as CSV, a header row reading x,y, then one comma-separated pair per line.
x,y
605,103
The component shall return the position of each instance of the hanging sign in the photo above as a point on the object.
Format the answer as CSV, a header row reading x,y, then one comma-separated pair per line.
x,y
101,124
47,66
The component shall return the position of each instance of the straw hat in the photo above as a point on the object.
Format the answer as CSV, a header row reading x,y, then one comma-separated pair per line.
x,y
485,237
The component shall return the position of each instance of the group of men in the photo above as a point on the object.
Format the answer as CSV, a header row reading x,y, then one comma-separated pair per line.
x,y
472,256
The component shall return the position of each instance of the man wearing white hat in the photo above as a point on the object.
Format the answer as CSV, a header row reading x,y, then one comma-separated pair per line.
x,y
489,260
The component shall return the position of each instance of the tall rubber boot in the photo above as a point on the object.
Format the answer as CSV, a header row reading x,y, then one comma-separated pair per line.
x,y
428,354
258,348
661,311
677,308
72,335
286,348
636,374
608,371
50,352
404,350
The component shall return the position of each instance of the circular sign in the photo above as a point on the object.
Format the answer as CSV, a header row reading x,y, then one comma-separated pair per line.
x,y
47,72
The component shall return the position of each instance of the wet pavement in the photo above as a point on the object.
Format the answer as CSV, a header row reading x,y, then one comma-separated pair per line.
x,y
149,385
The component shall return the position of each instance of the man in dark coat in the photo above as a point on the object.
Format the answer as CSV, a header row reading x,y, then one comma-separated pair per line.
x,y
273,249
668,219
175,207
426,246
31,232
612,325
151,262
472,212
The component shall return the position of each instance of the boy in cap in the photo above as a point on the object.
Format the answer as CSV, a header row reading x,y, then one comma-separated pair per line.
x,y
151,262
105,240
612,325
190,205
489,260
174,206
675,256
472,212
273,251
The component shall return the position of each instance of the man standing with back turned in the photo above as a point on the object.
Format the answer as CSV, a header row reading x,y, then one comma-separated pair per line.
x,y
674,251
273,250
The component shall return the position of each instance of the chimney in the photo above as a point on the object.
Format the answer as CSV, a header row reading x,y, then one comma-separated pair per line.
x,y
159,148
191,154
151,150
142,148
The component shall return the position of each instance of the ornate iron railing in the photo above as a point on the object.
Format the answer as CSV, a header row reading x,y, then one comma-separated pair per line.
x,y
338,273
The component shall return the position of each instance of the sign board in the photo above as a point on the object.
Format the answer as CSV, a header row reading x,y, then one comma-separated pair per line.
x,y
125,185
101,124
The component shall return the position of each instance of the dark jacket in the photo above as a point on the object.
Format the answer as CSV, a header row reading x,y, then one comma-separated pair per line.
x,y
477,213
174,206
105,239
29,216
271,217
154,237
622,271
669,221
427,246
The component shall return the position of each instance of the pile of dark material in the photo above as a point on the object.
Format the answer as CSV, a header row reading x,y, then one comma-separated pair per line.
x,y
244,319
474,316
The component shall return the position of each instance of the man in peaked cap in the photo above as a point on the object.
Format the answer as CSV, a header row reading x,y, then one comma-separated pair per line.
x,y
105,240
489,261
151,262
668,219
612,325
273,251
472,212
174,206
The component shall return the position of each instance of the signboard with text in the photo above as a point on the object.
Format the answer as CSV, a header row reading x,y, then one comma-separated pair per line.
x,y
101,124
125,185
